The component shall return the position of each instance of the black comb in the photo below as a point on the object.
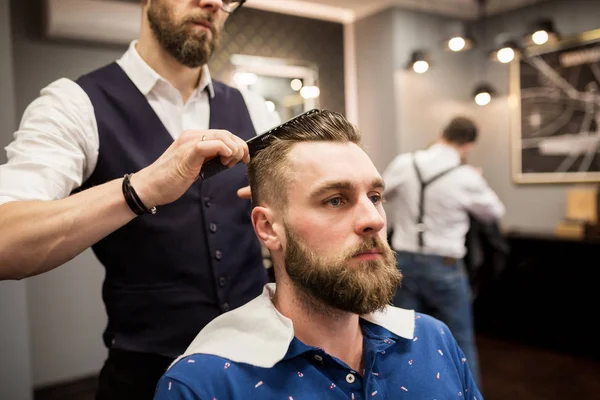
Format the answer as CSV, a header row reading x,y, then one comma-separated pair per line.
x,y
257,143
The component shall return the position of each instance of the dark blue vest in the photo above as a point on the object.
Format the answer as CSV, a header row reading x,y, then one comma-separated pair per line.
x,y
169,274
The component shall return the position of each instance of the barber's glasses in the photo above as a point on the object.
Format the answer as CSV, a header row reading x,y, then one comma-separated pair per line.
x,y
231,6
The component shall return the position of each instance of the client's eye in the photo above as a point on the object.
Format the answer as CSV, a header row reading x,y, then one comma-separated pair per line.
x,y
335,201
376,198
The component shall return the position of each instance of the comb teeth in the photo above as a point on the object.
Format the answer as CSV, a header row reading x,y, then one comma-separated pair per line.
x,y
257,143
294,120
214,166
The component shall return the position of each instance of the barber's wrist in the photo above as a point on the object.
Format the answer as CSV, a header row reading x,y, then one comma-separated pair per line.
x,y
142,188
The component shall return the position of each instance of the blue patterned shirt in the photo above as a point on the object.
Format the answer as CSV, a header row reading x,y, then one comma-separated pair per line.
x,y
427,364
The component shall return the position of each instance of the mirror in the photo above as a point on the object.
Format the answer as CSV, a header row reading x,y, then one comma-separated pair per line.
x,y
289,87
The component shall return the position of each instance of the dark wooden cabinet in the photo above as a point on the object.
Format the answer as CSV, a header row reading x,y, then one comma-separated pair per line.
x,y
547,295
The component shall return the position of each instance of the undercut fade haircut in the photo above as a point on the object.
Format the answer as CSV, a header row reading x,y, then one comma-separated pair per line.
x,y
460,130
268,170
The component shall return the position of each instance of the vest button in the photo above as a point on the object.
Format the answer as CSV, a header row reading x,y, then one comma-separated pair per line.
x,y
218,255
225,307
213,227
207,202
222,281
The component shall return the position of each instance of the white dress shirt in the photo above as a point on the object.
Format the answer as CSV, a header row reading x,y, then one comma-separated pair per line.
x,y
447,203
56,146
258,334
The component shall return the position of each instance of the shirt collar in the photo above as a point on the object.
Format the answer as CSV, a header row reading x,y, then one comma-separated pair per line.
x,y
145,78
258,334
445,151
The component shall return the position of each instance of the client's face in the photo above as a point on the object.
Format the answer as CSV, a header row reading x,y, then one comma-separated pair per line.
x,y
336,250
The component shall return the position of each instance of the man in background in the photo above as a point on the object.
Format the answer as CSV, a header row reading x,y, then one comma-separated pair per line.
x,y
325,329
130,138
432,194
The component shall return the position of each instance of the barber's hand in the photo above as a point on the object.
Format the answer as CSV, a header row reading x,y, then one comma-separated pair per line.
x,y
245,193
169,177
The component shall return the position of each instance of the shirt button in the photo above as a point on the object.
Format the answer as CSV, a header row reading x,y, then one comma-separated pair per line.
x,y
350,378
218,255
318,358
222,281
207,202
213,228
225,307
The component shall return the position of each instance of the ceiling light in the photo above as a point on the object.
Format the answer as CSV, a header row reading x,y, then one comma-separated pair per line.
x,y
506,48
505,55
459,37
506,52
457,43
270,105
296,84
540,37
310,92
543,32
483,94
418,62
483,98
420,67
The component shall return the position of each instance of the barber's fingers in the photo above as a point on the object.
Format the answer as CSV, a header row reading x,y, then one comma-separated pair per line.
x,y
242,153
237,145
202,150
245,193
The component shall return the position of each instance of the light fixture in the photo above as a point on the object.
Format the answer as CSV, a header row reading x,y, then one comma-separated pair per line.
x,y
418,62
457,43
245,78
459,40
483,94
270,105
540,37
505,55
296,84
310,92
421,66
542,32
506,52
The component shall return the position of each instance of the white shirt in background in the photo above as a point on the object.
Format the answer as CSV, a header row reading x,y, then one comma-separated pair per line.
x,y
56,146
448,201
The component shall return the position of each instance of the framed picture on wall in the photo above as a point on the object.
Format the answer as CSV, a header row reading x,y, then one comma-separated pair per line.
x,y
555,112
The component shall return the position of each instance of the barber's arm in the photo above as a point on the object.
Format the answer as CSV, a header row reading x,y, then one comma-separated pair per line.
x,y
481,201
42,227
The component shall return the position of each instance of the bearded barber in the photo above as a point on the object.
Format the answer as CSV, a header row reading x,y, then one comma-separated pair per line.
x,y
111,161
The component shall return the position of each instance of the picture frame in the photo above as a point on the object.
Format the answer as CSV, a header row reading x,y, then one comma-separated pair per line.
x,y
555,112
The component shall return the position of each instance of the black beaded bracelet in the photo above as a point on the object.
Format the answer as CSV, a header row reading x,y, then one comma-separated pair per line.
x,y
133,200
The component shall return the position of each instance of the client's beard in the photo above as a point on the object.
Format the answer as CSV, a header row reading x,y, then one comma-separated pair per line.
x,y
363,288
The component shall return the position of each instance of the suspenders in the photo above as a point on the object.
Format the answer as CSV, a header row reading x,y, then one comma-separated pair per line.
x,y
420,225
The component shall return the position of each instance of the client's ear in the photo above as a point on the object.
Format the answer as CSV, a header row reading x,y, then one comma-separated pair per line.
x,y
263,222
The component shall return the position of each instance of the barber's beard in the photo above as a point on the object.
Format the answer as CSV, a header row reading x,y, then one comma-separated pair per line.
x,y
326,285
189,46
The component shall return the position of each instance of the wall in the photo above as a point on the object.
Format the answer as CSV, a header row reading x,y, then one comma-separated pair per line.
x,y
376,102
400,110
267,34
15,362
523,201
425,102
66,313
